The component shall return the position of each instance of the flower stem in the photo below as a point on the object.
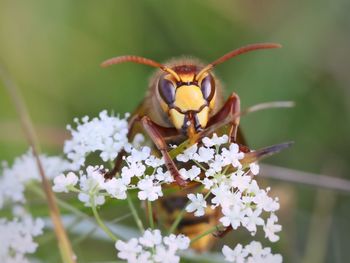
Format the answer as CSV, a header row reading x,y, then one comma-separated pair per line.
x,y
209,231
64,244
181,214
207,195
135,215
178,219
100,222
200,165
150,214
39,192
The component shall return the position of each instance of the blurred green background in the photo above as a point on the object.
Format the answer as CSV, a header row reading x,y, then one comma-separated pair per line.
x,y
53,49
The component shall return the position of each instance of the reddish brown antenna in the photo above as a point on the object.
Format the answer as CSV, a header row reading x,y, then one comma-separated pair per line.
x,y
236,52
139,60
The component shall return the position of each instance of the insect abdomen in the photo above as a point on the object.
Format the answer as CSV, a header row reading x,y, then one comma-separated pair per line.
x,y
169,207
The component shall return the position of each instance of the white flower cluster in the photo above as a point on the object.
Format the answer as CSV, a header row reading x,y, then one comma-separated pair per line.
x,y
251,253
239,197
106,134
92,186
217,165
148,172
16,238
152,247
24,170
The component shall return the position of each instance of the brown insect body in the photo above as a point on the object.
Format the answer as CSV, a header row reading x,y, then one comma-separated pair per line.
x,y
168,207
184,101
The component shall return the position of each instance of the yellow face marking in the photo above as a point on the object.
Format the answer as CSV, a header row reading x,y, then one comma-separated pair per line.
x,y
177,118
189,98
203,117
184,77
187,77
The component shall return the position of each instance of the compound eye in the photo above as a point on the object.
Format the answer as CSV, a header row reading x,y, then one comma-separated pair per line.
x,y
166,90
208,87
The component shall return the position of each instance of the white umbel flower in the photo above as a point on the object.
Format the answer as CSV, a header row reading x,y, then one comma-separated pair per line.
x,y
128,250
165,255
188,154
251,253
151,238
241,201
240,180
91,185
105,134
252,219
190,174
215,140
232,155
175,242
254,168
116,188
16,238
197,205
204,154
271,228
149,191
63,182
152,247
234,255
24,170
162,176
232,216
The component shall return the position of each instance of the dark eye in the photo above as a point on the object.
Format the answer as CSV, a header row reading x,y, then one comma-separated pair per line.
x,y
208,88
166,90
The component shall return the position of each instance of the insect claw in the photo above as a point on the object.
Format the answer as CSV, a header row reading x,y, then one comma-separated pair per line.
x,y
243,148
108,175
222,232
181,182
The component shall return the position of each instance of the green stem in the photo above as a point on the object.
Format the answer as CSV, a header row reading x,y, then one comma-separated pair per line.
x,y
99,220
209,231
79,239
64,244
179,149
118,219
207,194
150,214
226,169
135,215
178,219
200,165
181,214
39,192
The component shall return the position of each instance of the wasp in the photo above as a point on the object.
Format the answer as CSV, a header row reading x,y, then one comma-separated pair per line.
x,y
184,101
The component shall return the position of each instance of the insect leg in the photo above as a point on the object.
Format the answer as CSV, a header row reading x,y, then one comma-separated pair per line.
x,y
118,160
227,114
165,133
154,133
